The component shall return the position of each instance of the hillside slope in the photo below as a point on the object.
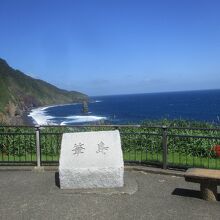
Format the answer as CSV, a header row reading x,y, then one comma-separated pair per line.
x,y
20,92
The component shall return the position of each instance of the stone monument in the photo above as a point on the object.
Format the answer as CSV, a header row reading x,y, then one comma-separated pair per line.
x,y
91,160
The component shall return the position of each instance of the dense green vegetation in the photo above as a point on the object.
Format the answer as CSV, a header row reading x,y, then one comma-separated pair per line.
x,y
186,146
19,92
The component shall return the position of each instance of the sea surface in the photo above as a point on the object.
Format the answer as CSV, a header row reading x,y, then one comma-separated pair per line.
x,y
133,109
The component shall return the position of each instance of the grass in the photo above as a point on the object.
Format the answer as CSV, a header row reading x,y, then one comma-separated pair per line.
x,y
142,144
174,159
29,158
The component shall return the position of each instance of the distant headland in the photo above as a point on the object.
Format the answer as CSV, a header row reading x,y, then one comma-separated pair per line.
x,y
19,93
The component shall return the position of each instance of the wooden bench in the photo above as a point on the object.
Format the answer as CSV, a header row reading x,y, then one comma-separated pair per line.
x,y
208,179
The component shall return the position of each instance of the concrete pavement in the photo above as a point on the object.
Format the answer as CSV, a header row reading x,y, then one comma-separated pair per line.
x,y
35,195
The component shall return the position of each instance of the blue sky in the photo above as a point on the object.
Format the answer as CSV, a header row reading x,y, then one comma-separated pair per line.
x,y
114,46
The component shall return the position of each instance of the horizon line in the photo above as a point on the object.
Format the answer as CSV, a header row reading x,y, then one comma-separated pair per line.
x,y
144,93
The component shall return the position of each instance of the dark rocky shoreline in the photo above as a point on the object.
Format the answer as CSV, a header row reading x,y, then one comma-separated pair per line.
x,y
28,121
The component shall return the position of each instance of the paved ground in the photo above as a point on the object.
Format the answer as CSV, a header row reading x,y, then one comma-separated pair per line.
x,y
32,195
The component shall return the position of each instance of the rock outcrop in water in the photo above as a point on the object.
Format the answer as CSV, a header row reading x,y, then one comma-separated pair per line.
x,y
85,108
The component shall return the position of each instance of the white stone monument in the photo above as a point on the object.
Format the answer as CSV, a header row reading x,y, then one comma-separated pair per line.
x,y
91,160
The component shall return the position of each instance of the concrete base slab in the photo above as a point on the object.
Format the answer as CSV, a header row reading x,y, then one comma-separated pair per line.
x,y
130,187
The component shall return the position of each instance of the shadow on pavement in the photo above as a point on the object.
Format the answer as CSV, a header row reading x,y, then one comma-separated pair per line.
x,y
187,193
57,179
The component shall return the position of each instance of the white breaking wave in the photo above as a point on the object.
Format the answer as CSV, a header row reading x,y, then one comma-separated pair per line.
x,y
95,101
82,119
40,117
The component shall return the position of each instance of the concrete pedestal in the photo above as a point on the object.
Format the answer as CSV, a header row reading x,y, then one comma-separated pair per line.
x,y
208,190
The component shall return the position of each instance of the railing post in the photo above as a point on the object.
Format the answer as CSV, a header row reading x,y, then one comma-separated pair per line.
x,y
38,153
164,144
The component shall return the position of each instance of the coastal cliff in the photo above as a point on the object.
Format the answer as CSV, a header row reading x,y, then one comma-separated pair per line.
x,y
20,92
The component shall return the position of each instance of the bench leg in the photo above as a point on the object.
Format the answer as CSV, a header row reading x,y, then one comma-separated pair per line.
x,y
208,190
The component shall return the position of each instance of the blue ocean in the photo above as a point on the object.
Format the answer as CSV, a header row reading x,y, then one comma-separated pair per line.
x,y
134,109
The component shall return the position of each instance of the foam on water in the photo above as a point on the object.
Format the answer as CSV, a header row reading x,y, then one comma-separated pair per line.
x,y
81,119
40,117
95,101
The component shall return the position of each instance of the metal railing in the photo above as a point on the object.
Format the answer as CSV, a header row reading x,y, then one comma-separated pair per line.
x,y
156,145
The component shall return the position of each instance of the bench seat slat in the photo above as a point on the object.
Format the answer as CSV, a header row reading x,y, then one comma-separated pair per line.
x,y
202,174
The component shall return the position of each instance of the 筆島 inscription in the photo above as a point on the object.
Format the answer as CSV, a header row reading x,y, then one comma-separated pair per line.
x,y
78,149
101,148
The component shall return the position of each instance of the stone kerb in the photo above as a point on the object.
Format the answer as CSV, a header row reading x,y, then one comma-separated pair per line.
x,y
91,160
